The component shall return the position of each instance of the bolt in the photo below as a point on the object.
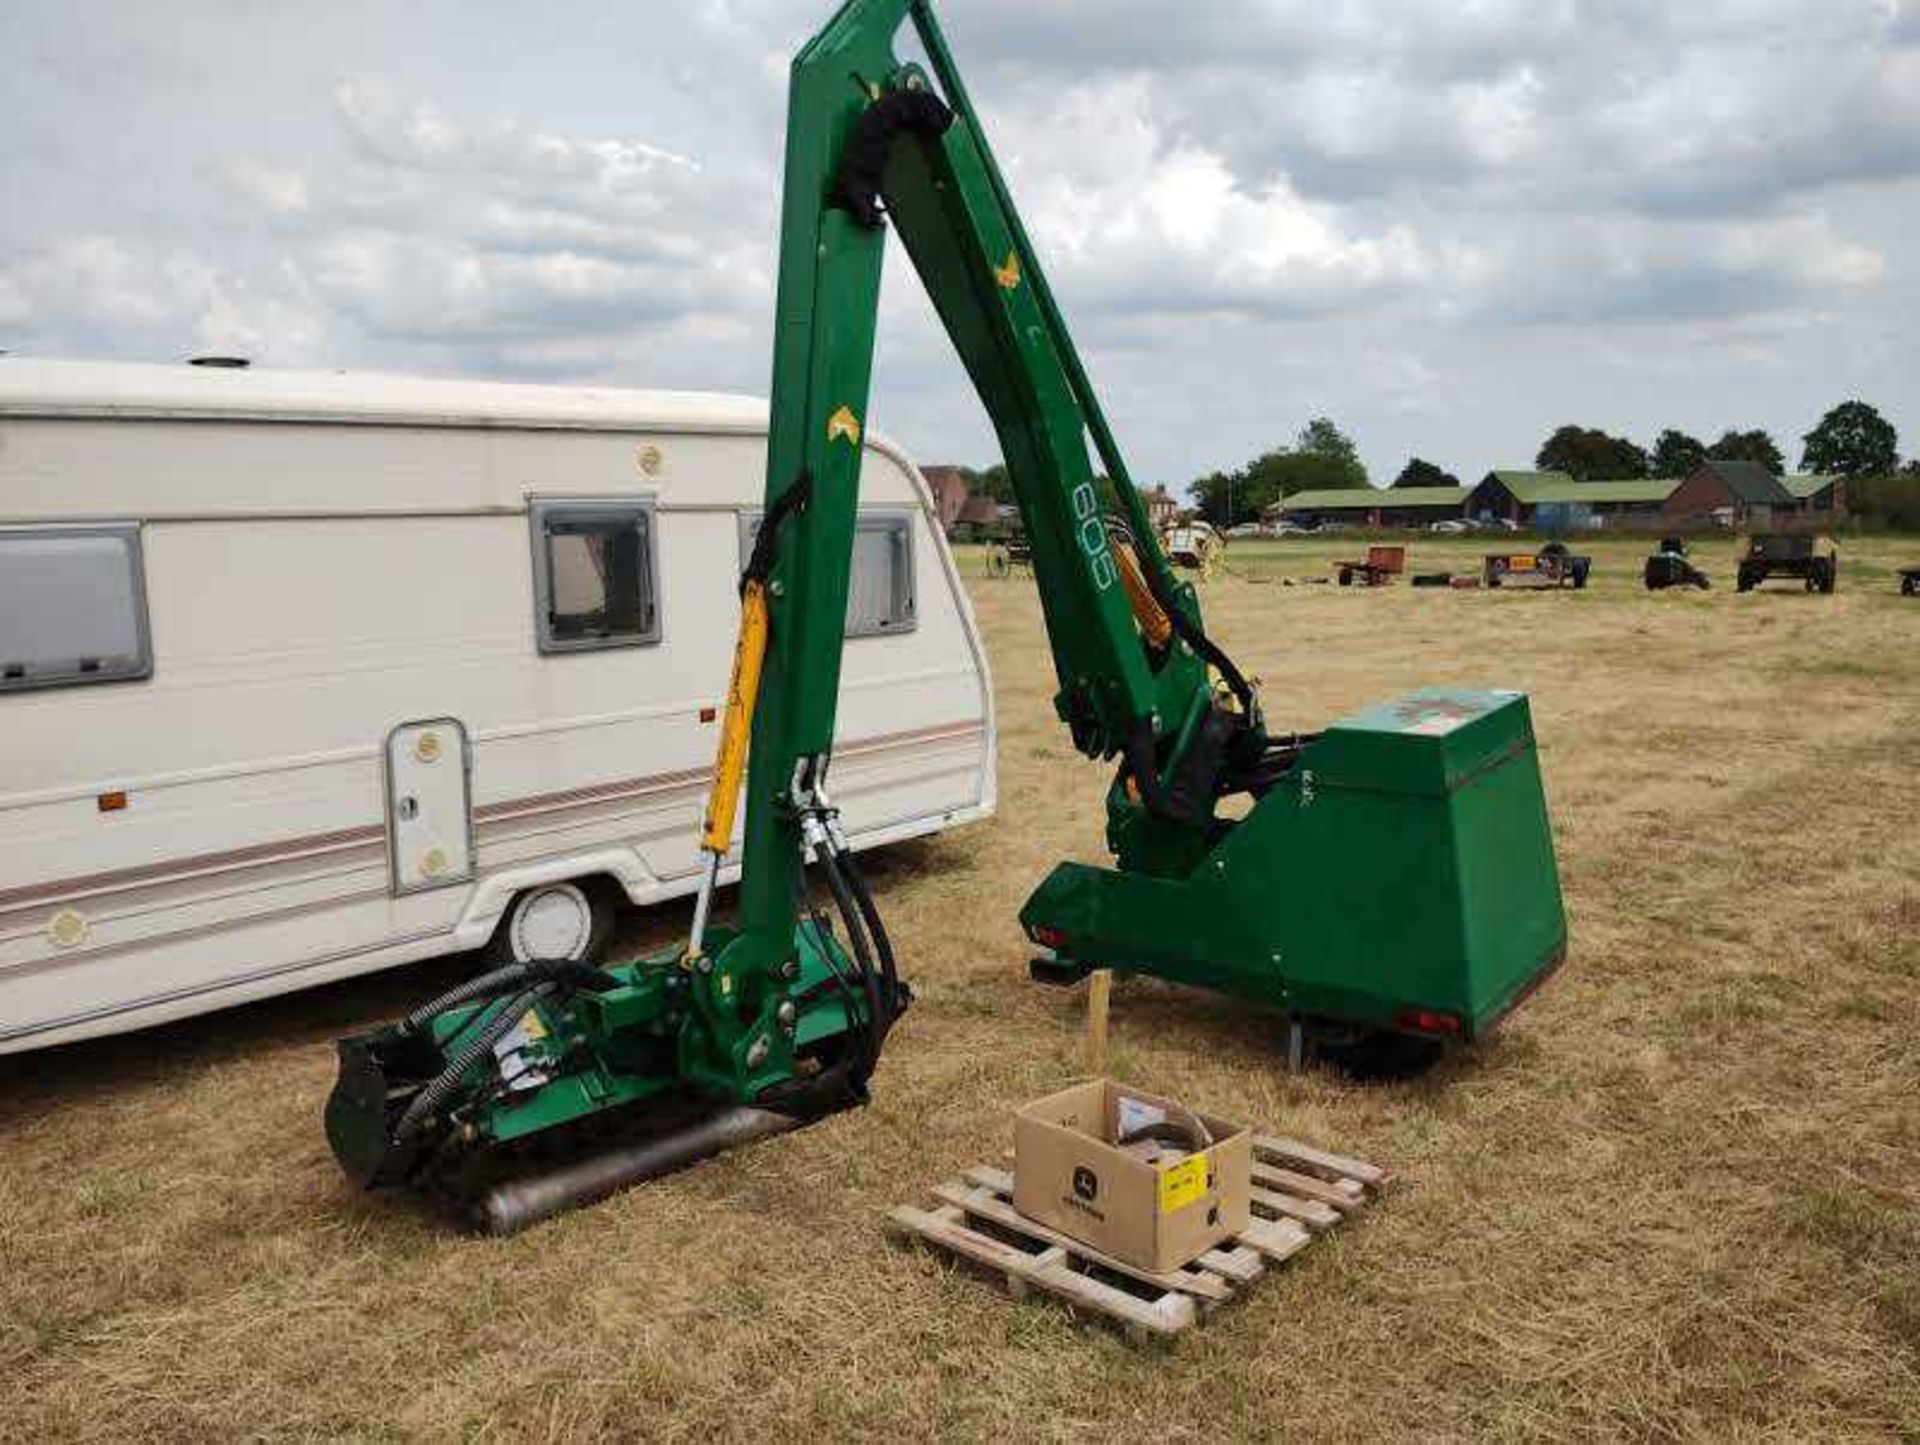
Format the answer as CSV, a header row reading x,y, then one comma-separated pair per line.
x,y
790,970
787,1014
757,1055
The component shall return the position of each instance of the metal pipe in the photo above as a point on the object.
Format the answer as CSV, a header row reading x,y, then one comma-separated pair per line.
x,y
697,936
511,1207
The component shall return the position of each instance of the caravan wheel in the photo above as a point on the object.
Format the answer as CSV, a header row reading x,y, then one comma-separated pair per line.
x,y
554,920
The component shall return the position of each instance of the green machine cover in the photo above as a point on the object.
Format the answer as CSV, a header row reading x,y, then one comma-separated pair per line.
x,y
1402,874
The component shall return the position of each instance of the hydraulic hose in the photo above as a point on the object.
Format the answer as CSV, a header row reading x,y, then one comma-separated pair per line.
x,y
503,980
804,897
863,896
879,1016
428,1101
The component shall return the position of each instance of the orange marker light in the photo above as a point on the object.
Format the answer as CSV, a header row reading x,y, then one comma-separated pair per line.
x,y
112,802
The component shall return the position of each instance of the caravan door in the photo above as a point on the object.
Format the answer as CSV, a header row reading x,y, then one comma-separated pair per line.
x,y
429,805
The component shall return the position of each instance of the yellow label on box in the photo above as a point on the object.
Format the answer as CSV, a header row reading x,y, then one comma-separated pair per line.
x,y
1181,1184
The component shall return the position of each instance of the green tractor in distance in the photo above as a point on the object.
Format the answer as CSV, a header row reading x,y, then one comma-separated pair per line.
x,y
1812,557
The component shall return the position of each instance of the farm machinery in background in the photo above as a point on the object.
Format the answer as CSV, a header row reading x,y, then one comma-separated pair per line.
x,y
1390,874
1910,581
1811,558
1552,565
1672,566
1379,567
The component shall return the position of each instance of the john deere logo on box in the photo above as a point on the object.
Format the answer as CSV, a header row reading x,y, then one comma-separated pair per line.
x,y
1086,1184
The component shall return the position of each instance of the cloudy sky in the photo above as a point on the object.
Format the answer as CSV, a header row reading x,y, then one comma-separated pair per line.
x,y
1451,226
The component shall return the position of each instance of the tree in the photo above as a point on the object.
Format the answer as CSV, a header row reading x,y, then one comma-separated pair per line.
x,y
1421,473
1748,446
1323,457
1321,438
1590,455
993,482
1675,454
1854,440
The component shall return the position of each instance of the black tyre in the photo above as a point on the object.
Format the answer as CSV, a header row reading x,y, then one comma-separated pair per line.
x,y
1830,575
555,920
1379,1055
1910,584
1745,580
1346,576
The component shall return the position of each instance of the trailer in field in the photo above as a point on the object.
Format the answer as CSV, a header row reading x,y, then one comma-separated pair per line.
x,y
304,675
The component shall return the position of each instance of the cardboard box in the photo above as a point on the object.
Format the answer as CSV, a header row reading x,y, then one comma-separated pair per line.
x,y
1153,1204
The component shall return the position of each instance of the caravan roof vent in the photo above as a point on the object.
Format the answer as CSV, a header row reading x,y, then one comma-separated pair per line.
x,y
226,363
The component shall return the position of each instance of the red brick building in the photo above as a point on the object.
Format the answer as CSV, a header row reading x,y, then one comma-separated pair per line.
x,y
1736,492
950,492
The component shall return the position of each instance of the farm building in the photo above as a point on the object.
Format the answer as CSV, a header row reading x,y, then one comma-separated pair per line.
x,y
978,517
950,492
1369,506
1559,500
1736,492
1161,507
1816,493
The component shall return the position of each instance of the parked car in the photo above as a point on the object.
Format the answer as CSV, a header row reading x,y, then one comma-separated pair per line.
x,y
1451,527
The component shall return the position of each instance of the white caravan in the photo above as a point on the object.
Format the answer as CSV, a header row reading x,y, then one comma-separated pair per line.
x,y
304,675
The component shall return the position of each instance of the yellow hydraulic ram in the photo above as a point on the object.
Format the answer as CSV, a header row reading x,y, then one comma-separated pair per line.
x,y
736,730
1147,612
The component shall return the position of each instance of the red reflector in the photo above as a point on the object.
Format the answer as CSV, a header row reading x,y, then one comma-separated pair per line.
x,y
111,802
708,714
1049,937
1426,1021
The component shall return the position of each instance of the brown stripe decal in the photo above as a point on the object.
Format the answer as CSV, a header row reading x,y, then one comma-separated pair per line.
x,y
34,895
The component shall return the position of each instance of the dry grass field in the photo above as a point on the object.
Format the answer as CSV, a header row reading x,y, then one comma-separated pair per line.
x,y
1678,1197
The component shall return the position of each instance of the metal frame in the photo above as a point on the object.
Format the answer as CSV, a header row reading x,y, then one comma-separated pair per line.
x,y
452,880
539,510
131,534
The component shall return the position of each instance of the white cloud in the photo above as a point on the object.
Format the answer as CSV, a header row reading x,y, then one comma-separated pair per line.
x,y
1452,226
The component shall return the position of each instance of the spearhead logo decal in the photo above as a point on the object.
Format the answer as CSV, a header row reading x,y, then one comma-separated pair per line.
x,y
1009,275
843,423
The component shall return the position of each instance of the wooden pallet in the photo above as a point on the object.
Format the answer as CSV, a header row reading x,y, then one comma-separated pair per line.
x,y
1299,1193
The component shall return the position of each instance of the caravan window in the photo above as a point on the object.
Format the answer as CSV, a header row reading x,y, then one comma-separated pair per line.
x,y
593,569
880,597
73,607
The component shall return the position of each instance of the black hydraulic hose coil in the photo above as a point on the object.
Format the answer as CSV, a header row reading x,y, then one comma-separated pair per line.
x,y
863,896
428,1101
879,1016
486,985
570,972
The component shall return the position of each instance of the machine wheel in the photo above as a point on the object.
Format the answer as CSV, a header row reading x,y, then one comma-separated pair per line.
x,y
1346,576
1378,1054
1830,575
554,920
1579,577
1745,580
998,563
1910,584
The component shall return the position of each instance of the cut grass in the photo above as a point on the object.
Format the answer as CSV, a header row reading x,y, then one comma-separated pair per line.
x,y
1676,1197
